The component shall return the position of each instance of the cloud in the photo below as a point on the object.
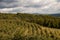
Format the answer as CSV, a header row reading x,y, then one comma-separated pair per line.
x,y
58,0
29,6
8,3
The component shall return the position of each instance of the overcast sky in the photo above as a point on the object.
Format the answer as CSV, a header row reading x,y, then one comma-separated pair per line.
x,y
30,6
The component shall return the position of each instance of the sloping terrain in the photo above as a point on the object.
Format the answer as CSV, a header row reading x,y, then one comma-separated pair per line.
x,y
44,20
22,27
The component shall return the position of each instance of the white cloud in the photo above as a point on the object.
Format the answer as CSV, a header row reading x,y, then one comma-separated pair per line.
x,y
34,6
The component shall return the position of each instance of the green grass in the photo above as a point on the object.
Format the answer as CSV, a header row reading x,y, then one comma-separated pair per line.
x,y
13,27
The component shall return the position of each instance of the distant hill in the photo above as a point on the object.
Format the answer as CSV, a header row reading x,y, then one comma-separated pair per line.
x,y
57,15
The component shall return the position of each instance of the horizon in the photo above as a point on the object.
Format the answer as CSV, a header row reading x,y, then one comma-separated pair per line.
x,y
29,13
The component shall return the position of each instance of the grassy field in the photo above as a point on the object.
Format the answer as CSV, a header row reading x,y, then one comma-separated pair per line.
x,y
29,27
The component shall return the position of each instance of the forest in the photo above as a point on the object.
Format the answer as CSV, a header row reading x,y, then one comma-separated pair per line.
x,y
25,26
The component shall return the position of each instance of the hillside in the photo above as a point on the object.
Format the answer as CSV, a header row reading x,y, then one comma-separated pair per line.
x,y
29,27
57,14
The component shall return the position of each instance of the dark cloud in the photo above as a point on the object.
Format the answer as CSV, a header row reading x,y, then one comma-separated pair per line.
x,y
1,0
10,6
34,6
8,3
58,0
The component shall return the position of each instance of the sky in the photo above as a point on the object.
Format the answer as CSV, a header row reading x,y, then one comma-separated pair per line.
x,y
30,6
